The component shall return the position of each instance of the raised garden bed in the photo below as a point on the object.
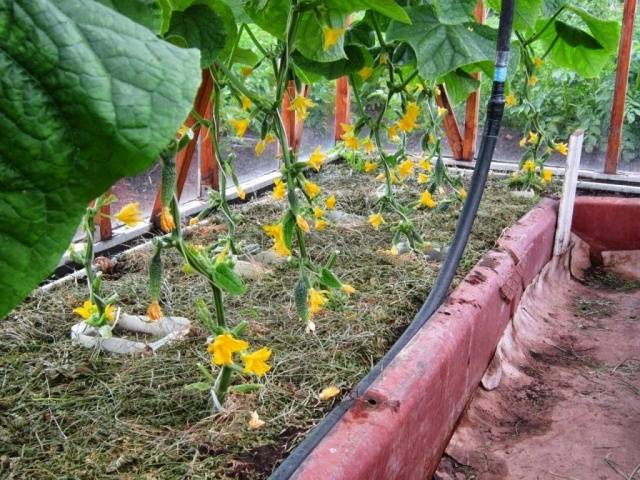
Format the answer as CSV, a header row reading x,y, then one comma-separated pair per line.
x,y
73,412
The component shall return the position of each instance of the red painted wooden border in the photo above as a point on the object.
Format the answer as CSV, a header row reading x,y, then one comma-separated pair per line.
x,y
607,223
399,428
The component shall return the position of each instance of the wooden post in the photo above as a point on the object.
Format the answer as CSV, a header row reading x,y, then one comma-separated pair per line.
x,y
473,104
343,105
104,221
450,123
184,157
209,175
620,91
567,201
289,116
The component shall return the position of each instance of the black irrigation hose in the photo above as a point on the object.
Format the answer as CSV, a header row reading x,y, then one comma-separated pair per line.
x,y
441,286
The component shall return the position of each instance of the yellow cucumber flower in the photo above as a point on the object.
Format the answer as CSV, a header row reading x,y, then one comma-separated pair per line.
x,y
426,200
270,138
425,164
522,142
260,147
562,148
302,223
167,224
463,193
368,146
405,168
256,362
533,137
223,348
130,214
423,178
546,175
350,140
431,138
320,224
317,158
241,193
533,79
346,127
246,102
240,126
365,72
328,393
318,212
330,202
510,100
370,166
529,166
331,36
246,71
280,189
375,219
347,288
87,309
300,104
409,120
442,111
392,132
276,232
311,189
154,312
538,62
316,300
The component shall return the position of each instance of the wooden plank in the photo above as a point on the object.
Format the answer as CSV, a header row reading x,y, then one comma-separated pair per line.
x,y
567,201
614,145
185,156
289,116
104,221
343,106
473,104
450,123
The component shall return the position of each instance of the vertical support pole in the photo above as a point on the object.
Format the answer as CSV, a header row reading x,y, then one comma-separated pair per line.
x,y
104,222
343,105
185,156
450,123
289,116
620,90
567,201
473,104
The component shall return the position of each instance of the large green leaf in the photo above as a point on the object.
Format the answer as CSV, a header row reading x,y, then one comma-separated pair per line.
x,y
459,85
356,59
573,48
388,8
199,27
525,15
440,48
453,11
87,96
144,12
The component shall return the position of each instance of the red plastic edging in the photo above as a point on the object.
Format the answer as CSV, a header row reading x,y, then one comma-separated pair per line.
x,y
399,428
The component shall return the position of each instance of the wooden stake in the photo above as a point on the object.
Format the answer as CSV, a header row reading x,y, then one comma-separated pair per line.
x,y
567,201
450,123
343,105
473,104
104,221
289,116
620,91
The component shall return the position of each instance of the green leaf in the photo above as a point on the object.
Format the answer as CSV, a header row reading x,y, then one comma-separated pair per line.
x,y
440,48
225,278
198,387
525,15
144,12
328,279
244,56
201,28
454,12
331,70
584,52
388,8
87,96
459,85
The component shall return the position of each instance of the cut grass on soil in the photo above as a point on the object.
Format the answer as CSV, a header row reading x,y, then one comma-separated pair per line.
x,y
68,412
